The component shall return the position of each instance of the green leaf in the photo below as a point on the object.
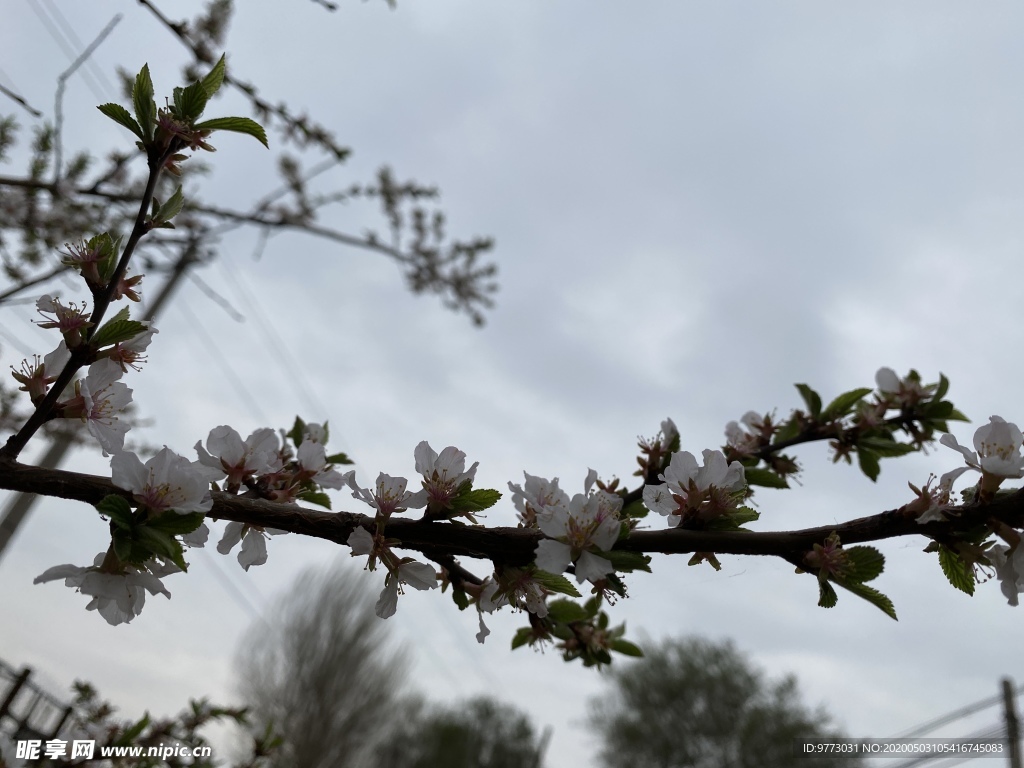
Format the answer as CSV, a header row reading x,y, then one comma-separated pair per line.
x,y
298,431
734,519
110,248
872,595
765,478
235,125
942,389
316,497
119,328
162,544
627,562
787,431
956,570
955,415
176,524
170,209
521,637
863,563
123,547
117,509
339,458
555,582
868,462
475,500
142,101
212,82
566,611
635,509
885,447
811,398
625,647
122,116
190,102
460,598
827,597
843,404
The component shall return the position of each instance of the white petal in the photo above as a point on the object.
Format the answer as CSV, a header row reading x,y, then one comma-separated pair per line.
x,y
590,567
361,541
425,458
552,556
887,380
418,575
658,498
67,571
232,535
387,603
254,549
484,631
198,538
127,471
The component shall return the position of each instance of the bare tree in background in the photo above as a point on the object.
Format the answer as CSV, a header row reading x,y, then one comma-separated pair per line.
x,y
320,671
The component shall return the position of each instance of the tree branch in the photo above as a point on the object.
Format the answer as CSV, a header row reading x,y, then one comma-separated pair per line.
x,y
515,546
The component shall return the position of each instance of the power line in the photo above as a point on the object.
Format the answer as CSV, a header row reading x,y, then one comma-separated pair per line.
x,y
956,714
68,49
69,31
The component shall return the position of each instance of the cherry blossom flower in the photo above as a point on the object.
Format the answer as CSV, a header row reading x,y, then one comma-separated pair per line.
x,y
254,542
36,377
225,451
129,354
70,320
587,522
317,433
902,393
746,441
85,259
695,491
517,588
390,495
118,596
998,456
1009,565
104,397
442,474
535,496
930,504
167,482
400,571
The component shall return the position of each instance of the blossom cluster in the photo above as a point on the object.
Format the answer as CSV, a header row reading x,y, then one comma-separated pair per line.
x,y
172,495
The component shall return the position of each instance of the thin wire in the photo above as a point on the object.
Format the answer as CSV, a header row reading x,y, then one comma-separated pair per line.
x,y
58,107
956,714
69,31
990,732
233,590
219,358
64,46
282,353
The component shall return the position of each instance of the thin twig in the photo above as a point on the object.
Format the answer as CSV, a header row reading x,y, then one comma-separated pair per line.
x,y
15,97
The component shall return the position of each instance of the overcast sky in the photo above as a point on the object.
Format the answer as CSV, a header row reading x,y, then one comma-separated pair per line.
x,y
695,206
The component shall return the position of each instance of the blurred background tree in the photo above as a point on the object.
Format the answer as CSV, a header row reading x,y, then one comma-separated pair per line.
x,y
695,703
321,671
480,733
